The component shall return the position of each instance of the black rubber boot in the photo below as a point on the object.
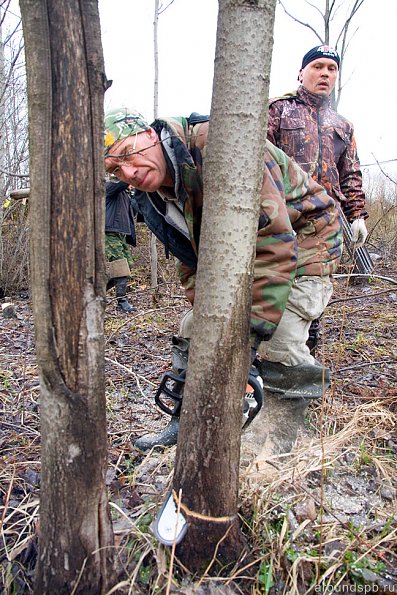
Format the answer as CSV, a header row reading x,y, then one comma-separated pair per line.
x,y
304,381
121,294
168,437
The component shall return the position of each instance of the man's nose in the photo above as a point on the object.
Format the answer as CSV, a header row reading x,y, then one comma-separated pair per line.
x,y
128,170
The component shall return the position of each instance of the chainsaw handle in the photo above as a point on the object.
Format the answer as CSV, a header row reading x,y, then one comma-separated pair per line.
x,y
171,391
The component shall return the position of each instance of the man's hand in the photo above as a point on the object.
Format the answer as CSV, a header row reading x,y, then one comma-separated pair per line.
x,y
359,232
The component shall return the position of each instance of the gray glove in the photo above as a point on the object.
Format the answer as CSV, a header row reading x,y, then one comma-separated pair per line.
x,y
359,232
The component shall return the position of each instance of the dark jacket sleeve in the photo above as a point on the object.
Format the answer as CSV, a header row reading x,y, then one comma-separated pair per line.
x,y
273,124
114,188
119,211
350,180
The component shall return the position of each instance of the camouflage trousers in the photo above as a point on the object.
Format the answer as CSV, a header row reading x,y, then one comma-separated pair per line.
x,y
116,248
306,302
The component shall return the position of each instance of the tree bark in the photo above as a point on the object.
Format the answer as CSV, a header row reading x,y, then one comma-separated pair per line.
x,y
65,92
207,462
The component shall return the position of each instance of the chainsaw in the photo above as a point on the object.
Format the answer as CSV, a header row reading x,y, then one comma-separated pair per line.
x,y
169,395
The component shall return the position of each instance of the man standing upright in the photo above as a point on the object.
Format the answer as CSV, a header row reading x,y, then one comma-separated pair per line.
x,y
306,127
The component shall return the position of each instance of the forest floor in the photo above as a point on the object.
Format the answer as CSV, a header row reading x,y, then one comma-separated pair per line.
x,y
326,519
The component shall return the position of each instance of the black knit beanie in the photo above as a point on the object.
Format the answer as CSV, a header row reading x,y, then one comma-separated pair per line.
x,y
320,51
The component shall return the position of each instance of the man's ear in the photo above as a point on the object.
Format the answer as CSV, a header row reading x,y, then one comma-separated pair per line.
x,y
300,76
152,134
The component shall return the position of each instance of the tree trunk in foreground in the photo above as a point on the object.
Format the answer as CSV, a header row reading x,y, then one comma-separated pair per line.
x,y
207,463
65,93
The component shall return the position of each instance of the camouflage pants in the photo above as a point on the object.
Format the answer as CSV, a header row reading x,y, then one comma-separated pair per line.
x,y
116,248
306,302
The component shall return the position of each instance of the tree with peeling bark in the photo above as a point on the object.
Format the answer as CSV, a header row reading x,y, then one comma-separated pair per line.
x,y
339,39
207,462
66,83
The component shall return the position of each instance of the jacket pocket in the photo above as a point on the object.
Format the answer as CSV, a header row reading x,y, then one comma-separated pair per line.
x,y
292,137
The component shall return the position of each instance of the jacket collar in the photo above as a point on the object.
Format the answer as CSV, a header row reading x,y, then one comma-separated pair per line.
x,y
313,99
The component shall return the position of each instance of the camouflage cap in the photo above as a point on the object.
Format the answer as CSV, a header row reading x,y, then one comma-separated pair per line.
x,y
120,123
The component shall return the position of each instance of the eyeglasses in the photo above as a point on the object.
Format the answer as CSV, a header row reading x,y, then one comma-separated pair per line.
x,y
130,153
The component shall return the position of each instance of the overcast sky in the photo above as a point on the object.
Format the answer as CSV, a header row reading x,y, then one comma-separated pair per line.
x,y
187,31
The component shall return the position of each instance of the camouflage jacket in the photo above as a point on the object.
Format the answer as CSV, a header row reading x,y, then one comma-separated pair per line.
x,y
305,126
290,200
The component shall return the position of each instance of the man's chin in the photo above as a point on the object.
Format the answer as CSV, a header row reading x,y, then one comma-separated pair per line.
x,y
323,92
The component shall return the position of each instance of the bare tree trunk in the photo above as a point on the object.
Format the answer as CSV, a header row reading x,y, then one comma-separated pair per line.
x,y
2,175
152,237
207,463
156,59
65,91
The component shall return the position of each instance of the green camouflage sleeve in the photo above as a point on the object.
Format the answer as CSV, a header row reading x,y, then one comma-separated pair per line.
x,y
314,218
276,255
187,277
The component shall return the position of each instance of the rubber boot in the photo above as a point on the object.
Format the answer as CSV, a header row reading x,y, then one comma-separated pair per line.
x,y
121,294
304,381
168,436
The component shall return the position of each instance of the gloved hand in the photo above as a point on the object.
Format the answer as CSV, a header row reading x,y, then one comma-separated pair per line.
x,y
359,232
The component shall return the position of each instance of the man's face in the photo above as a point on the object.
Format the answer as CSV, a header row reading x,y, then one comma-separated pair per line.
x,y
319,76
138,160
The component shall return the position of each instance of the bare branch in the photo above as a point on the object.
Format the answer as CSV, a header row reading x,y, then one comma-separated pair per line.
x,y
10,36
315,7
10,71
331,8
383,172
12,175
301,22
7,2
161,9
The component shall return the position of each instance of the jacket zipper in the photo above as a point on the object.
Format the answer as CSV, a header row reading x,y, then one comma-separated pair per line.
x,y
320,148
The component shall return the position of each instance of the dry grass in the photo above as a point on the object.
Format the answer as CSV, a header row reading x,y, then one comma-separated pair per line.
x,y
382,210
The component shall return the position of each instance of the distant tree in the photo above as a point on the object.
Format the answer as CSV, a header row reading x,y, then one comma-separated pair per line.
x,y
338,37
65,94
208,452
158,9
13,152
13,106
152,241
